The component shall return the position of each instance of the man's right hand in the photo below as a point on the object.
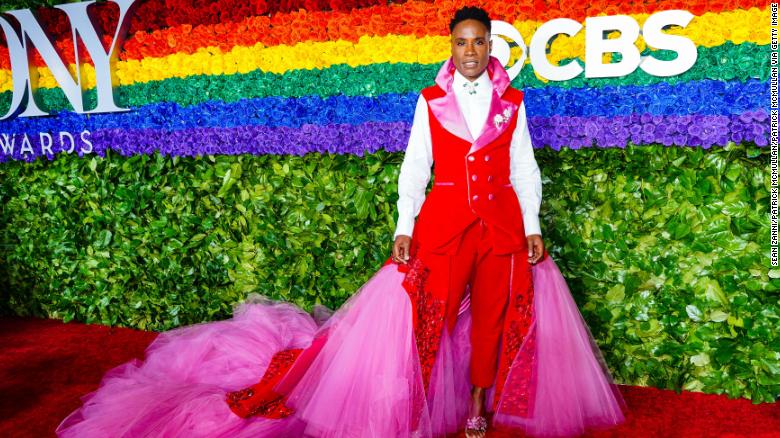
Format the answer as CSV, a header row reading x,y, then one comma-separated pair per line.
x,y
401,248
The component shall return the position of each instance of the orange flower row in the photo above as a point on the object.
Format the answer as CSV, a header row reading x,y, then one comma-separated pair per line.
x,y
412,18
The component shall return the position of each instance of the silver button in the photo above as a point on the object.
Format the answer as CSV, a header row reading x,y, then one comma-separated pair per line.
x,y
471,158
475,197
473,177
490,196
487,157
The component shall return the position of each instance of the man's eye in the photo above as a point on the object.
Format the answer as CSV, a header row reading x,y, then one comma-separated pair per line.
x,y
460,43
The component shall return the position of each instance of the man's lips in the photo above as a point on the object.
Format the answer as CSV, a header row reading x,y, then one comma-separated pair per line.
x,y
470,64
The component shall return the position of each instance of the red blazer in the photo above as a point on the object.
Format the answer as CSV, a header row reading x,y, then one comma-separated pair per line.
x,y
470,184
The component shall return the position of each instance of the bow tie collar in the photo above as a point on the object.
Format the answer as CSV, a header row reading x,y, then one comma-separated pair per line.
x,y
471,87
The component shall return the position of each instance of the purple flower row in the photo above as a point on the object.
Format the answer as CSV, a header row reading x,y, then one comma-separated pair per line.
x,y
617,131
555,132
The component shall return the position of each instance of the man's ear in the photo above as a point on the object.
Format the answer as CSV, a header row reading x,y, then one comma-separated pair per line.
x,y
490,45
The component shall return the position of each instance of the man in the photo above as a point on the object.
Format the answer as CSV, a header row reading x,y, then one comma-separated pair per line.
x,y
481,216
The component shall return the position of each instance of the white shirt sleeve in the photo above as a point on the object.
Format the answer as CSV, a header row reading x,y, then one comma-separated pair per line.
x,y
525,175
415,171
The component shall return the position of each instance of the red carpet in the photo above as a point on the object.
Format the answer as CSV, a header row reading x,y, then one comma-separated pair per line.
x,y
45,366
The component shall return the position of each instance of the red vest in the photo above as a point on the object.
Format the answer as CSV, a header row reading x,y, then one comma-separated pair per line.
x,y
470,186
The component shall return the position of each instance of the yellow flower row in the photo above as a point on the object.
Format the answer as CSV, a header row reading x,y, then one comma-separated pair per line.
x,y
708,30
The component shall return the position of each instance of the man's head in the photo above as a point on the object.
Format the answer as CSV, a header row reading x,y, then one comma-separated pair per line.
x,y
470,41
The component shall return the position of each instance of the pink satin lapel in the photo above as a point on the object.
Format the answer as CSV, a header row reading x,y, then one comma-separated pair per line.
x,y
498,76
447,112
491,130
445,108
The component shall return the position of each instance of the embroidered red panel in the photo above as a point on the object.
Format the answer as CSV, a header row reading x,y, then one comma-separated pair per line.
x,y
517,395
517,321
428,313
260,399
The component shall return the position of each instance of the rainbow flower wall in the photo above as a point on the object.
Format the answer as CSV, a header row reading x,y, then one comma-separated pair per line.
x,y
346,82
261,155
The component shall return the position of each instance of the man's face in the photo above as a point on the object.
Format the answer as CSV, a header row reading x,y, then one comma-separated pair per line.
x,y
471,46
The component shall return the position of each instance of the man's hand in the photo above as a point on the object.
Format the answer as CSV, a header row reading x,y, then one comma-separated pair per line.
x,y
401,248
535,248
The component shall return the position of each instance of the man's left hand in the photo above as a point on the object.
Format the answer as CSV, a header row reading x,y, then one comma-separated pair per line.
x,y
535,248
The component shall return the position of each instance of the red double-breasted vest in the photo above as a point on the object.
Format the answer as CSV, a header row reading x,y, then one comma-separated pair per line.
x,y
469,185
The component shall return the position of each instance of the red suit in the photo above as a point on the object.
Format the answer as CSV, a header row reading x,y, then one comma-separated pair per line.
x,y
470,231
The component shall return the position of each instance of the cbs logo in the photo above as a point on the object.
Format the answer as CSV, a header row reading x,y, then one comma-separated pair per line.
x,y
596,45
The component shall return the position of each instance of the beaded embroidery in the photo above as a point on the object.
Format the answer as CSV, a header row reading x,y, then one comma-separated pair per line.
x,y
259,399
517,322
516,400
427,309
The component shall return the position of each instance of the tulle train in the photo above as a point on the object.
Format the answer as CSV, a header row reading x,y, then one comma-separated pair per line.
x,y
364,382
570,388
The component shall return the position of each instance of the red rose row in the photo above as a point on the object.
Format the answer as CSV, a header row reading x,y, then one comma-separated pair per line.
x,y
151,15
413,18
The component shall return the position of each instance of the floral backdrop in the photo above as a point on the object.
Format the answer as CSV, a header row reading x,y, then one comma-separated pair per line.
x,y
262,148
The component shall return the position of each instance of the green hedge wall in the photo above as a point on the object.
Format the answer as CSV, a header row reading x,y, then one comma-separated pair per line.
x,y
665,249
11,5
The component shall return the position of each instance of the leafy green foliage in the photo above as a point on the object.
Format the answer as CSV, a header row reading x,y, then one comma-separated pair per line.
x,y
154,242
11,5
665,249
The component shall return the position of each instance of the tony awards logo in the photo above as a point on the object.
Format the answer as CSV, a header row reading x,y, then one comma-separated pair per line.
x,y
23,33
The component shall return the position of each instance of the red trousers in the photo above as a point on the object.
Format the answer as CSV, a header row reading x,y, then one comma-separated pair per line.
x,y
473,263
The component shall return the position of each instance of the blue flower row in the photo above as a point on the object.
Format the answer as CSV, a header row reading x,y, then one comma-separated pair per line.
x,y
705,97
555,132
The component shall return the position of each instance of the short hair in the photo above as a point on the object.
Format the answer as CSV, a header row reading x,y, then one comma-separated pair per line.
x,y
470,13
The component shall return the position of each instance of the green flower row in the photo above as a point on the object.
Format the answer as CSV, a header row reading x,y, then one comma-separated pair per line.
x,y
722,63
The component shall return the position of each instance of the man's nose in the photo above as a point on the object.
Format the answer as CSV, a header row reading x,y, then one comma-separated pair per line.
x,y
470,49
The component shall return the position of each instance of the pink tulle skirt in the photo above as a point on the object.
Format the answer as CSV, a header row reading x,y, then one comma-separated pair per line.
x,y
366,380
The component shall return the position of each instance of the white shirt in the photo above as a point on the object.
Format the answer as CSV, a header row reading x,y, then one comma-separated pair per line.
x,y
415,172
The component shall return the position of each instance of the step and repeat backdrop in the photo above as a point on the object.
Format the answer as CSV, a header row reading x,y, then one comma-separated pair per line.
x,y
183,154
